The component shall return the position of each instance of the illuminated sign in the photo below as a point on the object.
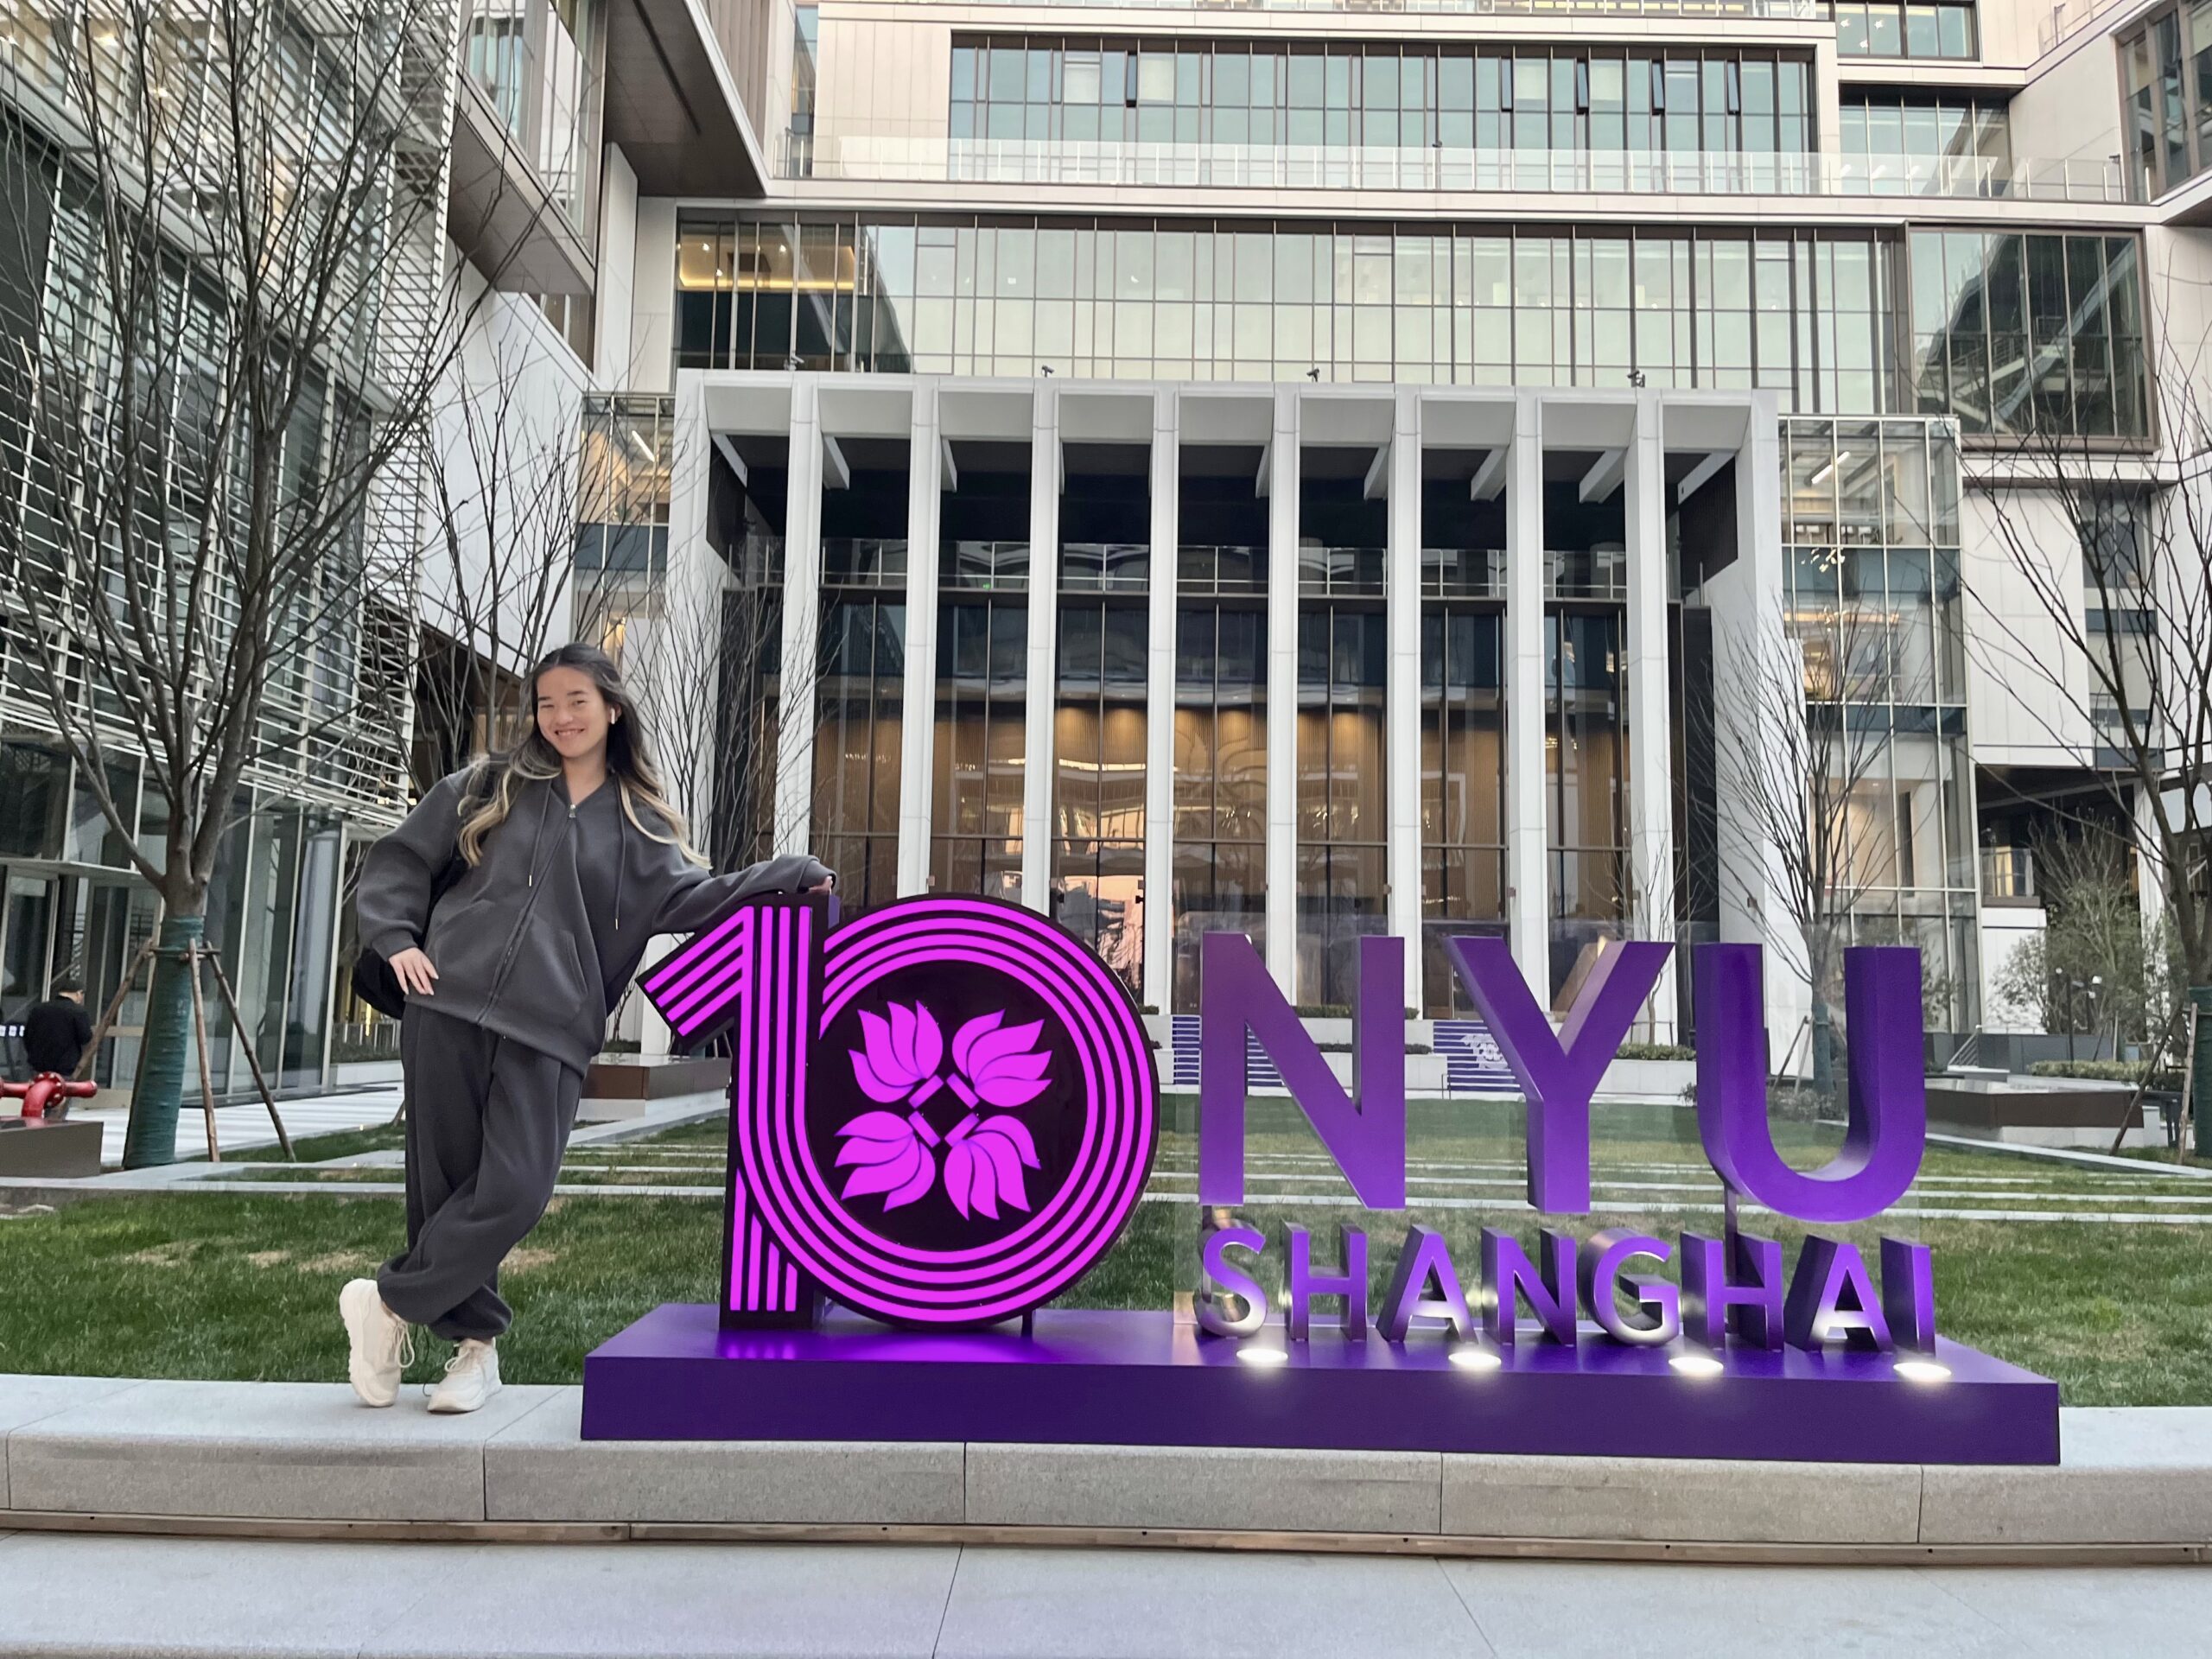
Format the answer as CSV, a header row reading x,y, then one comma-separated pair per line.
x,y
943,1113
940,1115
1723,1291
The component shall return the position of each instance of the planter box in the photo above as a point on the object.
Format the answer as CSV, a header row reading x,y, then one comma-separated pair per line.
x,y
353,1074
65,1148
617,1089
654,1078
2034,1111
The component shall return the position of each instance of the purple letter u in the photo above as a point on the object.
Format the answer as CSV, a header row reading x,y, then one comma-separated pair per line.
x,y
1888,1126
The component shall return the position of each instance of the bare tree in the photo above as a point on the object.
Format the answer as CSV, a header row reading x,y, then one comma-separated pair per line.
x,y
703,657
508,489
2096,962
2113,555
228,220
1803,809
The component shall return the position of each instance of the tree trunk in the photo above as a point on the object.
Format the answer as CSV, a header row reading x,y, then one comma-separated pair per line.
x,y
164,1048
2200,1089
1823,1049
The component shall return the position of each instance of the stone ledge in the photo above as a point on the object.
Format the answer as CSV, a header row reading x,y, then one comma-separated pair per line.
x,y
1202,1487
2140,1475
112,1451
1690,1500
306,1451
539,1469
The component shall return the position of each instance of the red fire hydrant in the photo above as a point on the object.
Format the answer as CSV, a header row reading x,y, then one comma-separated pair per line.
x,y
47,1085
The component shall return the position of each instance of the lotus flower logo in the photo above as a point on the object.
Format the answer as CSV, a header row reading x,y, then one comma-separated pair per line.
x,y
996,1068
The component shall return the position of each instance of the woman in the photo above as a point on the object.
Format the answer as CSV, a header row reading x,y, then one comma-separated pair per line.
x,y
569,860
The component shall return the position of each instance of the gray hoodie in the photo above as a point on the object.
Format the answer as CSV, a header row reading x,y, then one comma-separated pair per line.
x,y
513,940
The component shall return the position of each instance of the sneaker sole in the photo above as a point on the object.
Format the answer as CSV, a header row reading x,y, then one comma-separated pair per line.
x,y
452,1409
354,1315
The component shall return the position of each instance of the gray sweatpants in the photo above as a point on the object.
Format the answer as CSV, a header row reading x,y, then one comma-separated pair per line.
x,y
487,1120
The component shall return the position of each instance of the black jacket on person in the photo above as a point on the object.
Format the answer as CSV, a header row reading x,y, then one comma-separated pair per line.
x,y
55,1035
512,940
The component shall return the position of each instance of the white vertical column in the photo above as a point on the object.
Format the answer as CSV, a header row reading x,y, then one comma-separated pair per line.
x,y
1160,700
1040,767
1649,681
1283,694
802,623
1527,892
917,716
1402,685
1748,619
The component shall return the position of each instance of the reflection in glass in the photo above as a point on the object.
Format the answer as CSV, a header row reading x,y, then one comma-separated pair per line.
x,y
1221,784
1098,792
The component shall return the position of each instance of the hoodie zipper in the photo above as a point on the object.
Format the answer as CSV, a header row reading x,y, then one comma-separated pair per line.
x,y
530,903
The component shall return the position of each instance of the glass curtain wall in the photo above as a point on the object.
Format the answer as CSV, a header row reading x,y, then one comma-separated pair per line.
x,y
858,705
982,740
1462,788
1341,768
2166,74
2031,332
534,62
1098,789
1220,778
1586,784
1808,314
1895,143
1874,599
1887,30
1376,95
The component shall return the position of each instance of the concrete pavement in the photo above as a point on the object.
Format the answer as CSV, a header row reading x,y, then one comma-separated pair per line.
x,y
64,1594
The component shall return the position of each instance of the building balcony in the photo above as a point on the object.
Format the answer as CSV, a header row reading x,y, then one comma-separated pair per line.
x,y
1463,572
901,158
1215,570
984,566
1357,571
864,561
1105,566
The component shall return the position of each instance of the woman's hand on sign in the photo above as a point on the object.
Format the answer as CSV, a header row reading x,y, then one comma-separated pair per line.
x,y
828,884
413,972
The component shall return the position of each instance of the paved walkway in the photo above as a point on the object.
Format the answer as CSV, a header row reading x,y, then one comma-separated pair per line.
x,y
239,1127
71,1594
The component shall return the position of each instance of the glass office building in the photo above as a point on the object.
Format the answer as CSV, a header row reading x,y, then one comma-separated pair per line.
x,y
1316,470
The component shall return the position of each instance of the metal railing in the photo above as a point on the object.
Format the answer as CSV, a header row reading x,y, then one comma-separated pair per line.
x,y
1201,569
1355,570
1463,572
905,158
2068,19
1105,566
864,561
984,565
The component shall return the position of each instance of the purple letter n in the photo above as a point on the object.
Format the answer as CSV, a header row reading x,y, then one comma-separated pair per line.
x,y
1364,1133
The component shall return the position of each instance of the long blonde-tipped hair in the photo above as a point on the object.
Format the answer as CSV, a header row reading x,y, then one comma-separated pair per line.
x,y
490,796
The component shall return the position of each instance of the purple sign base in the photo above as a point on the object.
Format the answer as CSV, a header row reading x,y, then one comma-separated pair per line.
x,y
1141,1379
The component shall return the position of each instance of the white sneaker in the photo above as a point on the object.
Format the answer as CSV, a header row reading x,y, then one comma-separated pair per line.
x,y
471,1377
383,1343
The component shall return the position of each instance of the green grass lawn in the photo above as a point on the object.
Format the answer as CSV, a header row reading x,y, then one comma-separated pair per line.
x,y
244,1286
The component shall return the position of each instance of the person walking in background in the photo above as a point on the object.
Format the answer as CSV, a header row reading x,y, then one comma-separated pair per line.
x,y
58,1031
557,862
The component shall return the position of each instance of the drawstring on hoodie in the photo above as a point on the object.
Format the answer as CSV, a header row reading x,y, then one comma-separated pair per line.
x,y
621,849
537,842
622,842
